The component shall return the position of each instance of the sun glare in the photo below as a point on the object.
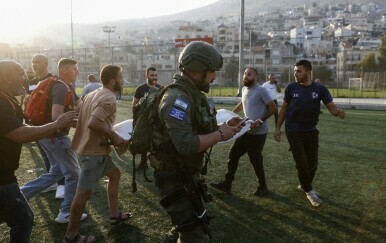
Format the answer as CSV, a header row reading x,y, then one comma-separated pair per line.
x,y
20,19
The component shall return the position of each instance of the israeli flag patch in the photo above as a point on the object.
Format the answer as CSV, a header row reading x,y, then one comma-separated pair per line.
x,y
183,104
178,114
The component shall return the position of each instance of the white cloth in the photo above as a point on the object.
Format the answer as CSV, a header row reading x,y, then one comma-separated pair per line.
x,y
124,128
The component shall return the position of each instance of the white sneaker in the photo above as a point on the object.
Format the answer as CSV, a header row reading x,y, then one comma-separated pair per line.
x,y
314,199
59,192
64,218
50,188
301,189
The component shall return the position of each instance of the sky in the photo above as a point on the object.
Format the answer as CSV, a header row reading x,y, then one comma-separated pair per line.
x,y
20,18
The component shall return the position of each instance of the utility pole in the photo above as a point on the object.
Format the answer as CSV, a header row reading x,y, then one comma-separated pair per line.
x,y
72,35
250,46
241,49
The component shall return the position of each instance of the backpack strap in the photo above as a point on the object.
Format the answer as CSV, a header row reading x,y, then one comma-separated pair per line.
x,y
159,98
47,91
69,93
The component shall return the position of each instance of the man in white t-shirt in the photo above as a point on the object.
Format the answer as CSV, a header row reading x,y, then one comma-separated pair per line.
x,y
272,88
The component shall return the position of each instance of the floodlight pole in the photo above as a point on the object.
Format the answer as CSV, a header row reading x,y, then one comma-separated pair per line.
x,y
109,29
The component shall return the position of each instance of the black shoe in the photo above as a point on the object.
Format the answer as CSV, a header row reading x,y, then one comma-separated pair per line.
x,y
222,186
261,191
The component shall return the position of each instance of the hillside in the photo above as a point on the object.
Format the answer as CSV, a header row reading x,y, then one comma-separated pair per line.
x,y
225,8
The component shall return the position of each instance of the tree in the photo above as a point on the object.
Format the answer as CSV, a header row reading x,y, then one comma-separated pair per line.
x,y
322,72
368,64
286,76
382,56
231,72
133,72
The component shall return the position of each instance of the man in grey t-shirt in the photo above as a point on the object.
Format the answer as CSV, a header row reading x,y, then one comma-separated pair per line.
x,y
258,106
92,85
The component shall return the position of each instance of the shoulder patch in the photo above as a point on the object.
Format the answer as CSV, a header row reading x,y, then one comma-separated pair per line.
x,y
178,114
183,104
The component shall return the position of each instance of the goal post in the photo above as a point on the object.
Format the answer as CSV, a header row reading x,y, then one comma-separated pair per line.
x,y
355,83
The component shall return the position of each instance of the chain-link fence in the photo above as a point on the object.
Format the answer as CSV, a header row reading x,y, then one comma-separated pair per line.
x,y
135,59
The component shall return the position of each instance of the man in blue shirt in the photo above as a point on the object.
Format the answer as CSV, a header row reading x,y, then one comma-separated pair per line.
x,y
92,85
301,109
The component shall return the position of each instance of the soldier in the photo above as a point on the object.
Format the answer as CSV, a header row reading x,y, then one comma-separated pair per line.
x,y
189,128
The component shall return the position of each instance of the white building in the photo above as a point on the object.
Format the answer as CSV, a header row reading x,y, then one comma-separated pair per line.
x,y
227,38
299,35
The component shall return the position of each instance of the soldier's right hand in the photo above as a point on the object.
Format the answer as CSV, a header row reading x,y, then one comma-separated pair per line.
x,y
66,119
229,131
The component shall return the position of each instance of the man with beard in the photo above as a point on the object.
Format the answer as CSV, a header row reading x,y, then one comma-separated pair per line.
x,y
97,115
301,109
14,209
140,91
187,127
64,161
258,106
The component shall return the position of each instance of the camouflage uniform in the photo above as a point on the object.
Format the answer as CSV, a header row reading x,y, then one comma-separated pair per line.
x,y
184,117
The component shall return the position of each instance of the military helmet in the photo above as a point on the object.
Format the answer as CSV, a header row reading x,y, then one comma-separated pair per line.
x,y
200,56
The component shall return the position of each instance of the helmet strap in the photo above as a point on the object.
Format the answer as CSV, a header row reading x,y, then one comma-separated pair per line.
x,y
203,76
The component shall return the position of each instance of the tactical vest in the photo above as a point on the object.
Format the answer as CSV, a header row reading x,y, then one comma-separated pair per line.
x,y
203,121
204,117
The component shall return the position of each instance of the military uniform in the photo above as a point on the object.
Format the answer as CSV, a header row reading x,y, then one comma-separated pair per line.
x,y
183,117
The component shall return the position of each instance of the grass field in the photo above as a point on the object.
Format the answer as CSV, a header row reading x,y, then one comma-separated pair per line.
x,y
351,180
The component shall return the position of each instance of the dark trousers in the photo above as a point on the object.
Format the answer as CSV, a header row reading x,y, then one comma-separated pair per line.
x,y
47,161
118,95
15,211
182,211
144,158
253,145
304,147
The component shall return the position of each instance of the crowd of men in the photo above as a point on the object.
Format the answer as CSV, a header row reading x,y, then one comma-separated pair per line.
x,y
189,129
